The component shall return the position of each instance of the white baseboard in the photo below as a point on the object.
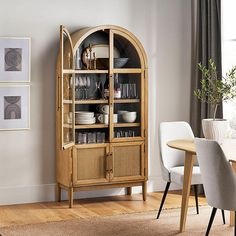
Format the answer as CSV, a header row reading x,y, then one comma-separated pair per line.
x,y
46,192
27,194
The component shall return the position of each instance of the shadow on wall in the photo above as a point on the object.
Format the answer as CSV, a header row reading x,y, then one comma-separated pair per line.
x,y
47,67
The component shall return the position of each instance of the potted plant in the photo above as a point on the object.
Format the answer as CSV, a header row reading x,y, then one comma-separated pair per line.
x,y
214,91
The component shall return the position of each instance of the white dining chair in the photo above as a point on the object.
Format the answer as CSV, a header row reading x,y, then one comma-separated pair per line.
x,y
218,178
172,160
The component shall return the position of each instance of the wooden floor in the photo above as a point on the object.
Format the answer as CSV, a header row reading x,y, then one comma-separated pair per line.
x,y
106,206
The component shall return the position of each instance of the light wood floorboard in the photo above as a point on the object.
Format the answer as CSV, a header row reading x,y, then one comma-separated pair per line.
x,y
85,208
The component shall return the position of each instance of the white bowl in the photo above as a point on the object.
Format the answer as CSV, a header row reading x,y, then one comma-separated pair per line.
x,y
121,112
129,117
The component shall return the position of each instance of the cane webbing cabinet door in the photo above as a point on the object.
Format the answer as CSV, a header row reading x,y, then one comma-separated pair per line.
x,y
128,161
101,111
90,165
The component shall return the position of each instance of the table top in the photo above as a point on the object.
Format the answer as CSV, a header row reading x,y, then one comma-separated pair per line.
x,y
186,145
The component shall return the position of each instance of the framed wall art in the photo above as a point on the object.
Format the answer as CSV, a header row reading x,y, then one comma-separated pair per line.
x,y
14,59
14,107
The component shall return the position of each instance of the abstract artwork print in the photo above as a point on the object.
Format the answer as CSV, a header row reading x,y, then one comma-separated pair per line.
x,y
13,59
12,107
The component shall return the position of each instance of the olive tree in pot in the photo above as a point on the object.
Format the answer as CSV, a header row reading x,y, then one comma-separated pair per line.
x,y
214,91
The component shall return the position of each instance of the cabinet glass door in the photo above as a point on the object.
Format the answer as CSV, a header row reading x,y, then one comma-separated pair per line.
x,y
127,115
66,77
128,89
126,54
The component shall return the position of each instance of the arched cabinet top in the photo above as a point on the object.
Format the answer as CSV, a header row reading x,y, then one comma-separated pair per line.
x,y
81,35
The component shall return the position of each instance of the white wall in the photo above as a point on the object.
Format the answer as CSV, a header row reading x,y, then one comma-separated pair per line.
x,y
27,158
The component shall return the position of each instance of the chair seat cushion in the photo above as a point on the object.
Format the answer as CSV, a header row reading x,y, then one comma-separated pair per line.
x,y
177,175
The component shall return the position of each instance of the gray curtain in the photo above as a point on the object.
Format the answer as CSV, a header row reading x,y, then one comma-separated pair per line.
x,y
207,45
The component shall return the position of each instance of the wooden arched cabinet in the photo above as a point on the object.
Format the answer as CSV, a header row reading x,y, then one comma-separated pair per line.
x,y
113,153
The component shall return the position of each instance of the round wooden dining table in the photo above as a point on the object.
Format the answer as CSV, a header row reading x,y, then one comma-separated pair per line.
x,y
188,146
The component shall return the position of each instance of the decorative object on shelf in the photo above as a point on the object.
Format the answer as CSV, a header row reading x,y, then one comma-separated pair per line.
x,y
106,88
103,118
214,91
103,109
94,61
84,118
82,138
15,109
117,89
115,118
98,51
82,85
128,91
97,94
124,134
14,60
129,117
91,137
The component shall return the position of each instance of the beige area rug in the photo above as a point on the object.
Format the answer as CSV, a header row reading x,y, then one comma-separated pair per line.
x,y
138,224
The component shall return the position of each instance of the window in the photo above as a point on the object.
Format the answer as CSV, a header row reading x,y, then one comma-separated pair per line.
x,y
229,52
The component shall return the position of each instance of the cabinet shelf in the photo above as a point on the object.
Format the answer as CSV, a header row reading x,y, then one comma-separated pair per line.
x,y
98,101
100,126
93,126
126,100
67,101
91,145
127,70
126,124
68,71
91,71
72,71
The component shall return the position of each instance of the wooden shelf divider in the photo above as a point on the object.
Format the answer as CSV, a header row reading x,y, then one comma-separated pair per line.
x,y
122,100
126,124
93,126
127,70
98,101
91,71
67,101
72,71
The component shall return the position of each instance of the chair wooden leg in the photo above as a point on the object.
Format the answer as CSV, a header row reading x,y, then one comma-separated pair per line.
x,y
196,197
211,220
223,216
163,198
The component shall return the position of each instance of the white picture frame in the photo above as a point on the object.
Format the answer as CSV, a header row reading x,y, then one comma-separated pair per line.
x,y
15,59
14,107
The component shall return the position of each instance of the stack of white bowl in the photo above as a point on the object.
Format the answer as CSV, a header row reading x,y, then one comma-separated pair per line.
x,y
84,118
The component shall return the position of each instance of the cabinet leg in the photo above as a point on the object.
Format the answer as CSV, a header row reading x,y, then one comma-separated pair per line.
x,y
129,191
144,188
58,192
70,197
